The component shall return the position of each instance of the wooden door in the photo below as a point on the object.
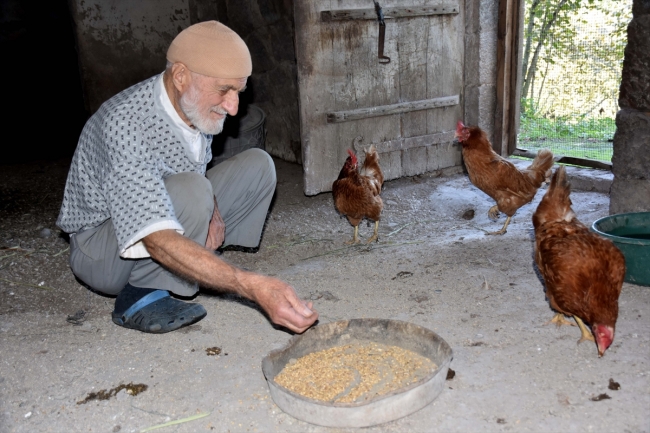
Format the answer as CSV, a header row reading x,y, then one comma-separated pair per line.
x,y
407,107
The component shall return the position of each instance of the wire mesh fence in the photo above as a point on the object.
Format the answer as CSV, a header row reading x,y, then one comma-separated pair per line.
x,y
572,98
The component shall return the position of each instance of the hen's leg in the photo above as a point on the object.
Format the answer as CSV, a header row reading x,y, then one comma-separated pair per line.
x,y
355,238
586,334
375,235
559,320
494,212
503,229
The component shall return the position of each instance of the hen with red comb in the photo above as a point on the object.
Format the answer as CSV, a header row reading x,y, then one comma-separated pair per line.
x,y
356,192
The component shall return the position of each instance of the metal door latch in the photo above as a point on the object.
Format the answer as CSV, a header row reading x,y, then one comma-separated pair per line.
x,y
382,33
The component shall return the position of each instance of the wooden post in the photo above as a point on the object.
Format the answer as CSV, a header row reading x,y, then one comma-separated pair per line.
x,y
506,118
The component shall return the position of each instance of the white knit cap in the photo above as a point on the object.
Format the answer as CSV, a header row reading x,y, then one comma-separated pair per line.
x,y
210,48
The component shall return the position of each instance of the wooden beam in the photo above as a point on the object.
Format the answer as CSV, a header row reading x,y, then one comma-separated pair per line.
x,y
385,110
504,46
506,117
515,76
389,12
410,142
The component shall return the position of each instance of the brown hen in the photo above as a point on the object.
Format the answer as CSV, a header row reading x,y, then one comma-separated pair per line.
x,y
510,187
583,272
356,194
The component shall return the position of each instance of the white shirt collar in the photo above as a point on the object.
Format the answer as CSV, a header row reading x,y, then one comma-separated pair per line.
x,y
193,140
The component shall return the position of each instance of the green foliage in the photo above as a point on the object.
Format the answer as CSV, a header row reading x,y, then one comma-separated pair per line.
x,y
588,137
555,34
538,128
573,54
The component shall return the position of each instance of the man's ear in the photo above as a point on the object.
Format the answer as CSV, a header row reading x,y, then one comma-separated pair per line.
x,y
181,76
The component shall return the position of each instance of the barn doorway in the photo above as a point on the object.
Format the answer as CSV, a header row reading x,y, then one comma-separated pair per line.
x,y
390,74
571,72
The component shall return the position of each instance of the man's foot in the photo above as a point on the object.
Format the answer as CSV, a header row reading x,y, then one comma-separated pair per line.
x,y
154,311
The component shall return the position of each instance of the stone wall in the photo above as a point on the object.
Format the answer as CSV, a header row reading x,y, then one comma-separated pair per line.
x,y
481,23
267,27
631,160
122,43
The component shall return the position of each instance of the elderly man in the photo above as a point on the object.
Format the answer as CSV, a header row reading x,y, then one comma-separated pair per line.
x,y
145,217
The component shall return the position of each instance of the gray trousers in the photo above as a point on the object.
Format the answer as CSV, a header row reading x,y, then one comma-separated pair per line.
x,y
243,186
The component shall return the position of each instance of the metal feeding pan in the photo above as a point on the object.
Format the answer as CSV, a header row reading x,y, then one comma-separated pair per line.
x,y
378,410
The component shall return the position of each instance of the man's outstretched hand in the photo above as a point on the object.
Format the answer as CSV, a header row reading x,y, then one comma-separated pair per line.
x,y
283,306
185,257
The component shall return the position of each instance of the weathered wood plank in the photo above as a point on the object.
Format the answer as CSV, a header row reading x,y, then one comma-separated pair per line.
x,y
443,155
504,51
414,161
508,76
415,155
391,165
409,142
446,47
314,55
385,110
516,76
413,67
389,12
358,76
338,71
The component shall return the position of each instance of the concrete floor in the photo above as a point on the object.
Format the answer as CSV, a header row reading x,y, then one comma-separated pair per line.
x,y
430,267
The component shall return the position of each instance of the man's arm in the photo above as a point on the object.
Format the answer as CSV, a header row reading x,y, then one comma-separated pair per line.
x,y
185,257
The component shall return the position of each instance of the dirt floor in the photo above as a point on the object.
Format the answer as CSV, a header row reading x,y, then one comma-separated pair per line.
x,y
65,367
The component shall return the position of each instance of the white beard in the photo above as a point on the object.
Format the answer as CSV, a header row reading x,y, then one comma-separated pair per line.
x,y
189,103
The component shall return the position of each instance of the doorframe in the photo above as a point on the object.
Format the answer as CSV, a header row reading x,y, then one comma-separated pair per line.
x,y
510,34
508,83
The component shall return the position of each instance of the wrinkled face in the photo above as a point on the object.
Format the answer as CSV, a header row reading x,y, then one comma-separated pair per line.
x,y
207,101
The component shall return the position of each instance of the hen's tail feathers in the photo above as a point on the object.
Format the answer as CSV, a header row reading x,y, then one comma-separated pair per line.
x,y
560,187
371,168
540,169
556,203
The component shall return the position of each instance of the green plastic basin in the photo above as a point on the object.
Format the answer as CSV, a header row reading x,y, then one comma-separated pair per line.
x,y
630,232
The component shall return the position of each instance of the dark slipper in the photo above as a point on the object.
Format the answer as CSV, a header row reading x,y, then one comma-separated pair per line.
x,y
154,311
